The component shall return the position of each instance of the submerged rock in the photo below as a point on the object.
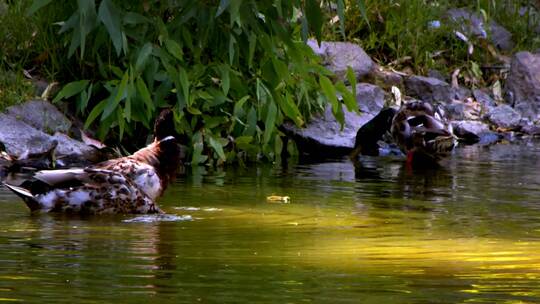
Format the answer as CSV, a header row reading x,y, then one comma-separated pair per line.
x,y
470,132
523,84
337,56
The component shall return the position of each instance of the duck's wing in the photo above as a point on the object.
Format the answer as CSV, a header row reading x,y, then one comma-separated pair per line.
x,y
62,176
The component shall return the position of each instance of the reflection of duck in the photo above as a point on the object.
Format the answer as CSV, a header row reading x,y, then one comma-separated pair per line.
x,y
422,137
125,185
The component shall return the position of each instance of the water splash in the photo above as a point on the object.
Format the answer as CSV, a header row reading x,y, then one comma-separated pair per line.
x,y
159,218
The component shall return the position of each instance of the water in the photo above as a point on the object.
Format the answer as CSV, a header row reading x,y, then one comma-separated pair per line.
x,y
469,232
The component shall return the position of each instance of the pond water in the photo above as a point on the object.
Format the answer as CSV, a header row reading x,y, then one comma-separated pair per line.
x,y
468,232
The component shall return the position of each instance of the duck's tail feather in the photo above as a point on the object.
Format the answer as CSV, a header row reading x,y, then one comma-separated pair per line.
x,y
26,195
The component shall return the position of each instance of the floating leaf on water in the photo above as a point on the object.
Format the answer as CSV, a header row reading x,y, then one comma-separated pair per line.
x,y
278,199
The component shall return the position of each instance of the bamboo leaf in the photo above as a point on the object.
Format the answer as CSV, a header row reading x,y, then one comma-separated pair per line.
x,y
144,53
121,93
351,77
71,89
329,91
36,5
362,6
174,49
110,16
98,109
341,15
314,17
223,4
270,121
216,145
348,98
184,83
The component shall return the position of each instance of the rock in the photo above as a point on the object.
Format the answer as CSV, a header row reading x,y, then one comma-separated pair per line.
x,y
436,74
370,98
463,110
68,146
337,56
19,137
469,131
523,84
41,115
323,137
484,98
504,116
472,24
531,129
429,89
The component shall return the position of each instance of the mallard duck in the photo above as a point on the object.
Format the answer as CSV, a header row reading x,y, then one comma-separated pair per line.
x,y
424,138
124,185
369,135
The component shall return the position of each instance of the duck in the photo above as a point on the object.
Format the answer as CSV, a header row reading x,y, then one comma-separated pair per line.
x,y
422,136
368,136
125,185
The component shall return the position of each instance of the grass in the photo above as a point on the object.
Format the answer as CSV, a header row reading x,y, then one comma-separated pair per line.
x,y
400,30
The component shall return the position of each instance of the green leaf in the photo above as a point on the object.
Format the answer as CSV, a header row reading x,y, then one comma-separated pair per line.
x,y
225,79
314,17
290,109
110,16
216,145
329,91
269,124
144,53
36,5
348,98
142,89
351,77
184,83
98,109
121,93
341,15
252,45
71,89
174,49
223,4
238,111
132,18
362,6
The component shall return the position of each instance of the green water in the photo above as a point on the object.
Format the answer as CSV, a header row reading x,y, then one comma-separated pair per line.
x,y
469,232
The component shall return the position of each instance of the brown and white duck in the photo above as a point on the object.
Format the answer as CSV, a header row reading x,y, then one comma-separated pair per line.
x,y
124,185
423,137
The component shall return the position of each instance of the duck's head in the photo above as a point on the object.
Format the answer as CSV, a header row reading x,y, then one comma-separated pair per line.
x,y
164,125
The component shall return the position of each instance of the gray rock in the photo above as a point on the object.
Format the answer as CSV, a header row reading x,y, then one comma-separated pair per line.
x,y
504,116
484,98
19,137
70,147
370,98
429,89
323,137
523,84
41,115
337,56
463,127
436,74
472,24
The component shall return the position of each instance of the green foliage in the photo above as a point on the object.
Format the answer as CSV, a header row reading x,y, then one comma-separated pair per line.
x,y
233,70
